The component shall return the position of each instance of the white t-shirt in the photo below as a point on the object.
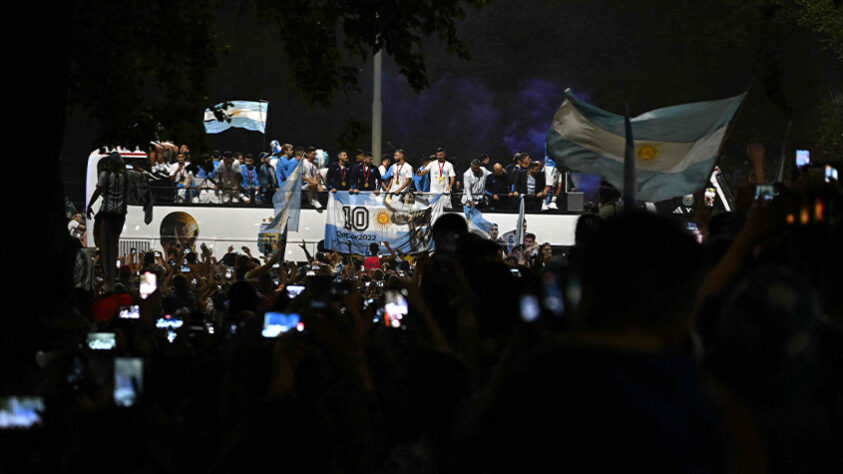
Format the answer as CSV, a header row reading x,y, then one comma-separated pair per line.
x,y
308,170
440,175
73,227
400,175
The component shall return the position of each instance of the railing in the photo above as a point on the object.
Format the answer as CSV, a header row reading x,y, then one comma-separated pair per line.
x,y
166,193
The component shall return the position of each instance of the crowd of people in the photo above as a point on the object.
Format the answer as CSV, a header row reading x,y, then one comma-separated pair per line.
x,y
638,346
234,177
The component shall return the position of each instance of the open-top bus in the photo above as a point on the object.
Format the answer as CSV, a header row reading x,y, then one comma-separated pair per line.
x,y
219,226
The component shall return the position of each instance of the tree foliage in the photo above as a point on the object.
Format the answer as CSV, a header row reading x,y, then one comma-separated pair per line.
x,y
323,38
140,67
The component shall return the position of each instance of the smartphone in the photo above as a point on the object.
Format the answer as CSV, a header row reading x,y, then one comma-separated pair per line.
x,y
147,284
128,380
803,158
133,251
830,173
130,312
709,197
169,322
765,192
101,341
395,308
529,305
275,324
692,228
294,290
184,269
229,273
21,412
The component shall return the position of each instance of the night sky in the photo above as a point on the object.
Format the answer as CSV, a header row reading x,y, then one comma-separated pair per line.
x,y
524,55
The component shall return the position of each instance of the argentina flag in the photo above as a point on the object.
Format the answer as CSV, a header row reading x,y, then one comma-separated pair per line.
x,y
287,205
675,147
250,115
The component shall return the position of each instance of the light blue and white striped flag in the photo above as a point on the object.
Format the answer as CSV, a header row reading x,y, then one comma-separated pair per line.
x,y
675,147
250,115
476,222
287,205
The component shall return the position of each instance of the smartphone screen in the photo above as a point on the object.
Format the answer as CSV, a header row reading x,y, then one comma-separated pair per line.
x,y
101,341
130,312
275,324
765,192
530,310
294,290
830,173
395,308
803,158
128,380
21,412
147,284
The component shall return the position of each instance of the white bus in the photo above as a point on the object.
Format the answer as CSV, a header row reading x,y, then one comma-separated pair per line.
x,y
219,226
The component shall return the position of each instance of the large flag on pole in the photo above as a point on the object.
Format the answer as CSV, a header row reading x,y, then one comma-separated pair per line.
x,y
287,205
675,147
250,115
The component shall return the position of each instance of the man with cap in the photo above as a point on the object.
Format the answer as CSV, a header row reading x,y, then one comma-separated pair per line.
x,y
267,182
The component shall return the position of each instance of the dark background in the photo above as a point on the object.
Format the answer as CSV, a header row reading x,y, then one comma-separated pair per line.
x,y
646,54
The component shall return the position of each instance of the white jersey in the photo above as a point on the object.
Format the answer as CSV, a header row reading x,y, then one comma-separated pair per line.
x,y
440,175
401,173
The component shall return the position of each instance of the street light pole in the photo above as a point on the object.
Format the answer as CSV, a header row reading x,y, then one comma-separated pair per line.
x,y
377,109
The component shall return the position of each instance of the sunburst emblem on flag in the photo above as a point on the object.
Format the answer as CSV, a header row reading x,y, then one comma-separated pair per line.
x,y
382,218
647,152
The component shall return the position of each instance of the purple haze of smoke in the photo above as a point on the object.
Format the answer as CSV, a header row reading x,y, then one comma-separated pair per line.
x,y
456,113
532,112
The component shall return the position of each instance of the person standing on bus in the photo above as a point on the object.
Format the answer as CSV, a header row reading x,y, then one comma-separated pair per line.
x,y
249,182
229,178
402,174
266,179
339,173
183,178
113,186
365,176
